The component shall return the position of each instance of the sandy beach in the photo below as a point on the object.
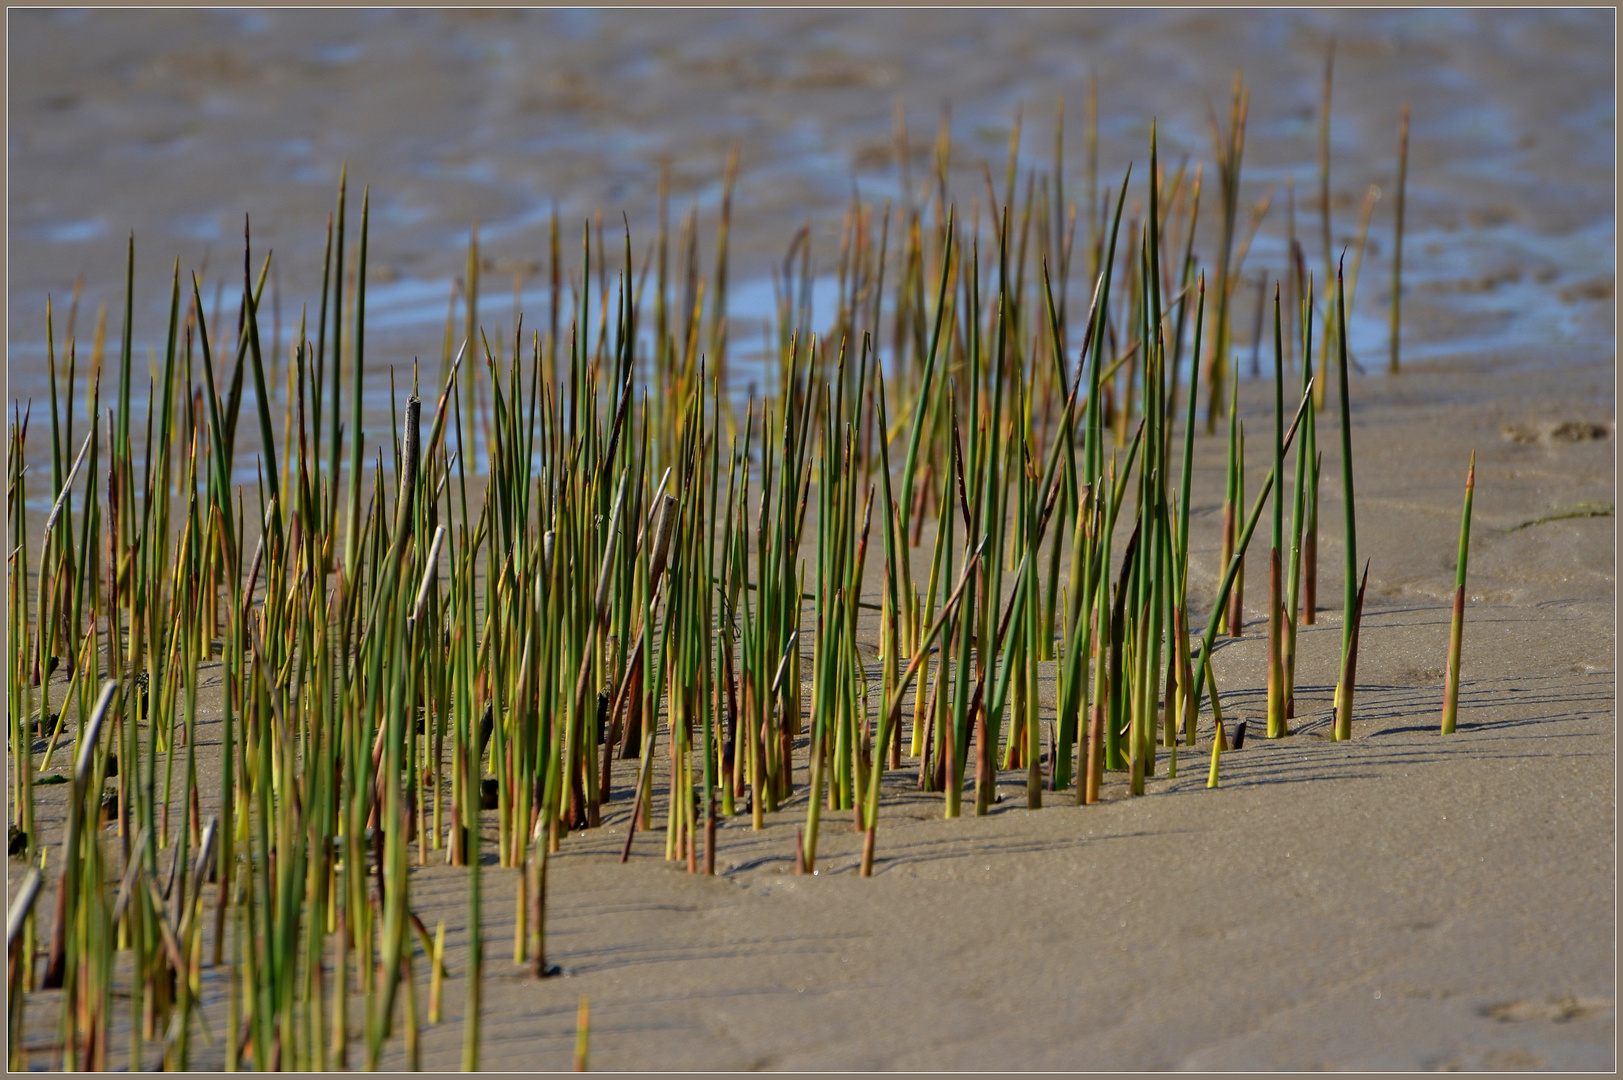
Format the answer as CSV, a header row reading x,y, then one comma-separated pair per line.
x,y
1402,901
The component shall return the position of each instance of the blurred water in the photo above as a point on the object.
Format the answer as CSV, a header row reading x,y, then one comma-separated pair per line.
x,y
174,124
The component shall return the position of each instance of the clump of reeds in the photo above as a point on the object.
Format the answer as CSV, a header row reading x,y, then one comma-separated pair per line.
x,y
438,638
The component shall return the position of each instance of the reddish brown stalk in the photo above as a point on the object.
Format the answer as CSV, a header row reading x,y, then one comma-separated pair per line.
x,y
1169,718
924,486
1237,605
1096,745
729,742
928,720
1293,620
786,777
629,734
985,776
741,754
1276,667
896,731
710,839
639,807
757,763
538,914
577,799
1451,686
1349,676
55,965
1186,677
617,709
88,1060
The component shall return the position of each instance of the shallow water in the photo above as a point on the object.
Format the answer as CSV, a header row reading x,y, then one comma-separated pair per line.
x,y
175,123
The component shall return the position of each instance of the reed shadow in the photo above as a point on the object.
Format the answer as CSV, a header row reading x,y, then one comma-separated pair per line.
x,y
919,852
632,954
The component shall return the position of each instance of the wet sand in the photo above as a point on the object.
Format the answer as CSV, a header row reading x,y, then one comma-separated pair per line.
x,y
1402,901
